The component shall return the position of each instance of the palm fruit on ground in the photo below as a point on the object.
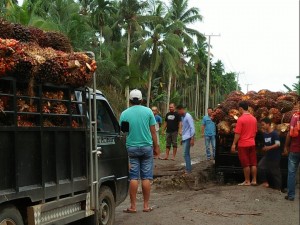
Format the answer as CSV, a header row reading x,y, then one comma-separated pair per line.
x,y
261,113
218,115
284,106
228,105
288,97
224,127
275,115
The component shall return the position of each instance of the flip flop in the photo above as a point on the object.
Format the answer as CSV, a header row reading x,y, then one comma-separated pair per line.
x,y
148,210
244,184
129,210
253,184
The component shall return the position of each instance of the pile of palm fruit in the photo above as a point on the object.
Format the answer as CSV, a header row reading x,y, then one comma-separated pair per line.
x,y
34,56
278,106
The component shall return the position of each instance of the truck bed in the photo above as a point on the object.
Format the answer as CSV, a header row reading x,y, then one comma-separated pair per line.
x,y
40,161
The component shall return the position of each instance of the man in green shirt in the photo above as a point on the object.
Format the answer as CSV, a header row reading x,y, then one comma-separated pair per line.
x,y
140,142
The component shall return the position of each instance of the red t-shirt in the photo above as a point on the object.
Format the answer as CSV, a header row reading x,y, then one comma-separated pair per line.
x,y
246,127
295,141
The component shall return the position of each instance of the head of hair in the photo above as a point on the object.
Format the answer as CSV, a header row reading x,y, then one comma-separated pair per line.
x,y
180,107
266,120
172,103
210,108
244,105
135,101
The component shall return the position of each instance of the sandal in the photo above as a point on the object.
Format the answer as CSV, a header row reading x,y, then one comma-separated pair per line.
x,y
244,184
253,184
148,210
128,210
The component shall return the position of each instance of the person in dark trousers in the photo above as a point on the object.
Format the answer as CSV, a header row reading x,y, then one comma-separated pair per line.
x,y
157,127
172,126
245,132
209,133
269,166
140,143
188,136
292,148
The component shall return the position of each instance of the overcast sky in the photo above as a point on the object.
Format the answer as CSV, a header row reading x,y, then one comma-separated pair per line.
x,y
258,37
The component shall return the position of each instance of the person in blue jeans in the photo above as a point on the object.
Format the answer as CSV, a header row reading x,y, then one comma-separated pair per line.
x,y
188,139
140,142
292,147
209,133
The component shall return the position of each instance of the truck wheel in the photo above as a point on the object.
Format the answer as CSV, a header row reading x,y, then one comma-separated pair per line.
x,y
220,177
106,206
10,215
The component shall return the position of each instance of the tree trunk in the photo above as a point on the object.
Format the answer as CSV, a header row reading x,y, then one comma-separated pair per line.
x,y
169,89
197,97
127,63
149,87
100,44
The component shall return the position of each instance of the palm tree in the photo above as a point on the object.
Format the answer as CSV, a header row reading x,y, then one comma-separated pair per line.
x,y
180,17
159,43
101,10
130,18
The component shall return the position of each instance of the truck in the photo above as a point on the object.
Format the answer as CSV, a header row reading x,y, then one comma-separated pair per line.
x,y
63,154
227,164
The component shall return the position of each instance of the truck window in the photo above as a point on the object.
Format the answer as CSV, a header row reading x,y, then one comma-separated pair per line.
x,y
105,118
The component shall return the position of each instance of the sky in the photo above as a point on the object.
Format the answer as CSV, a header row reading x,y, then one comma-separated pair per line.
x,y
259,39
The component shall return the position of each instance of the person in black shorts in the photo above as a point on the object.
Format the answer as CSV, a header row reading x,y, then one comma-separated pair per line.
x,y
172,125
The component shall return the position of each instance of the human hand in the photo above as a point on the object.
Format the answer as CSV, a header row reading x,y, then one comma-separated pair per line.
x,y
266,148
192,142
156,151
285,151
233,148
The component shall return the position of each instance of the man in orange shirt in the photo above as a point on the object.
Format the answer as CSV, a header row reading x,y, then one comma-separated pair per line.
x,y
244,138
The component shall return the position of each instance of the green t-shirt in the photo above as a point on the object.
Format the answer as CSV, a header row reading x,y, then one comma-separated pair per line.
x,y
140,119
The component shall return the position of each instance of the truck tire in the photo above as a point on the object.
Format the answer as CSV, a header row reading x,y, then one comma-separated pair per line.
x,y
10,215
107,206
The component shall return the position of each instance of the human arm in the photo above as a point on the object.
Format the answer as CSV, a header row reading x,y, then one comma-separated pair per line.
x,y
268,148
163,129
192,130
235,141
180,128
287,144
154,139
202,130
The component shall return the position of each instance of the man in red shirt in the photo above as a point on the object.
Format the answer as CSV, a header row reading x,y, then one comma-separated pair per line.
x,y
244,137
292,145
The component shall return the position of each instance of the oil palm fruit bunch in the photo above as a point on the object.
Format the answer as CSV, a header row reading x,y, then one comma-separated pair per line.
x,y
278,106
22,33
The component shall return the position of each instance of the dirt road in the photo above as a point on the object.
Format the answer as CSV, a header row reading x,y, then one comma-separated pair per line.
x,y
198,200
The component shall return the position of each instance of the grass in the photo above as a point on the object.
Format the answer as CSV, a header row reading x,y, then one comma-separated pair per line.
x,y
162,138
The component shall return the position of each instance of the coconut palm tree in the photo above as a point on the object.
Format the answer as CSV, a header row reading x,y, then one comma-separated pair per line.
x,y
159,43
101,10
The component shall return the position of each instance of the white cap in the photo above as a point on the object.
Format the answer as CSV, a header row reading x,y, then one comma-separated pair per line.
x,y
135,93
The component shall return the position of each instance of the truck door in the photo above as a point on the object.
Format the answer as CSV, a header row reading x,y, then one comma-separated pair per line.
x,y
113,159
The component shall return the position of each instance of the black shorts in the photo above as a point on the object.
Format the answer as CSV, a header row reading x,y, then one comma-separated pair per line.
x,y
171,139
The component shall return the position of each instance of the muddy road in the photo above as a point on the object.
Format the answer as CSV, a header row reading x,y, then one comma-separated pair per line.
x,y
198,199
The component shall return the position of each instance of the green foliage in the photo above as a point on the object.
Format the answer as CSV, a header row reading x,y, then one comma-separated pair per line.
x,y
140,44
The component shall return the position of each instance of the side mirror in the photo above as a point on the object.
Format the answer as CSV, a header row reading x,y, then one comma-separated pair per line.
x,y
125,126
